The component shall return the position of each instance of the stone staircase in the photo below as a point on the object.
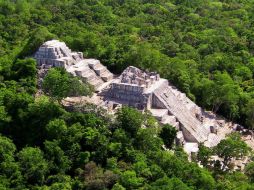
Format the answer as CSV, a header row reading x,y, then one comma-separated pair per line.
x,y
189,122
92,71
212,140
171,119
89,75
100,70
190,105
92,78
77,56
55,54
163,116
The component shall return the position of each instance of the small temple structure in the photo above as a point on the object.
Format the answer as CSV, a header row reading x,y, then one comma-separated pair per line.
x,y
56,54
135,87
142,90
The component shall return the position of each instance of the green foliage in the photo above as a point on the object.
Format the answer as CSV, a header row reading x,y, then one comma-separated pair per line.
x,y
129,179
9,170
56,129
204,155
231,147
166,183
7,149
59,84
130,120
205,48
249,171
24,68
32,165
58,161
82,145
250,114
37,37
168,135
96,177
235,180
147,140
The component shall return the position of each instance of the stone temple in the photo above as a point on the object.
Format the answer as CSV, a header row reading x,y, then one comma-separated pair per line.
x,y
142,90
135,88
56,54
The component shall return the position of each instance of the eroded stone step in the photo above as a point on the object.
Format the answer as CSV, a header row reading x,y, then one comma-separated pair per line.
x,y
100,70
159,114
107,77
169,119
96,83
189,122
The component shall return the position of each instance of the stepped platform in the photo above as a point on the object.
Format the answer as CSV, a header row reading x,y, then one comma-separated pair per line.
x,y
100,69
142,90
190,148
54,53
159,114
194,131
169,119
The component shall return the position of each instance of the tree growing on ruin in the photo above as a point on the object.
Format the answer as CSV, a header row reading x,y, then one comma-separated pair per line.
x,y
168,135
130,120
204,155
59,84
231,148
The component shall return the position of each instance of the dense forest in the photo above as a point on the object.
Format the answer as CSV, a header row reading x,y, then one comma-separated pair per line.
x,y
204,47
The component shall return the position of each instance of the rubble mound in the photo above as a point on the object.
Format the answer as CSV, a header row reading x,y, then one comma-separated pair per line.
x,y
133,75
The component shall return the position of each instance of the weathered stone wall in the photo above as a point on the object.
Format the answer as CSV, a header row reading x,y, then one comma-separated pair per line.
x,y
135,89
156,103
132,94
133,75
188,137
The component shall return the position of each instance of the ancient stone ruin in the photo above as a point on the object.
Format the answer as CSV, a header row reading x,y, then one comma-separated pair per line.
x,y
56,54
135,88
143,90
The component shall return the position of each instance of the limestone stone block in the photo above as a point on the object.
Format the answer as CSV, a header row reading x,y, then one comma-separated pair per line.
x,y
179,138
152,79
157,77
